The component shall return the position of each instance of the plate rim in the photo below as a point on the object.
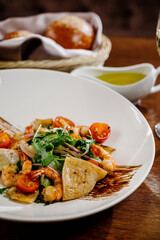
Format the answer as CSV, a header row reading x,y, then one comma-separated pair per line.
x,y
100,208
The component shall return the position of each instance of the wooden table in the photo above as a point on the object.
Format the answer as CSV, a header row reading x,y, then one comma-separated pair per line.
x,y
138,216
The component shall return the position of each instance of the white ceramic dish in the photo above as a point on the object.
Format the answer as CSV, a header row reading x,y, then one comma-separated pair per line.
x,y
132,92
27,94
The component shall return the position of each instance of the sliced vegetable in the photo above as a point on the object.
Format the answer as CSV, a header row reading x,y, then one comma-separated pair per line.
x,y
100,131
26,137
26,184
65,151
94,162
78,152
29,150
71,147
4,140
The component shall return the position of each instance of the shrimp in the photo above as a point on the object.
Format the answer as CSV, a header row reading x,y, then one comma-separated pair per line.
x,y
9,175
27,167
80,131
27,164
84,131
108,162
50,193
10,172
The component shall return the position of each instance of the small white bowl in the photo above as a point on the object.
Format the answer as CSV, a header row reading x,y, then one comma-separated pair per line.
x,y
132,92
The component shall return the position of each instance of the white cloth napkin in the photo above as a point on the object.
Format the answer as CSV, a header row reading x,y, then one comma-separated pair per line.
x,y
38,47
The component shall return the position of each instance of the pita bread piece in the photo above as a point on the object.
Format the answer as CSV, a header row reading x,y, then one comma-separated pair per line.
x,y
15,194
79,177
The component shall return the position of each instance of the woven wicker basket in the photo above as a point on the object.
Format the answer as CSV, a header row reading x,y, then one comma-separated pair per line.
x,y
66,65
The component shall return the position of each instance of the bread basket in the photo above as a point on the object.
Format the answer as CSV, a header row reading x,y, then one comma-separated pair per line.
x,y
67,65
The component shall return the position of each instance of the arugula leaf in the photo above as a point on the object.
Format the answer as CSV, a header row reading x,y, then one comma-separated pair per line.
x,y
58,165
84,146
70,131
45,146
46,142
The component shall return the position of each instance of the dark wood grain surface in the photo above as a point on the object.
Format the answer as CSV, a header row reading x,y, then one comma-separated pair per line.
x,y
138,216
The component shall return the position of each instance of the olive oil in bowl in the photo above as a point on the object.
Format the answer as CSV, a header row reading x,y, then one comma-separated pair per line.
x,y
121,78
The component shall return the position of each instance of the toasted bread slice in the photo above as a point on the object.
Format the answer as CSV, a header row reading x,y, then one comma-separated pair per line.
x,y
8,128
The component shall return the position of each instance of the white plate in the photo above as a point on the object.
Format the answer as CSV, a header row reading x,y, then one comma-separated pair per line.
x,y
27,94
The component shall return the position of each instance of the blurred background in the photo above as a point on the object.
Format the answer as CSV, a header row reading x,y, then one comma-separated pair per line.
x,y
129,18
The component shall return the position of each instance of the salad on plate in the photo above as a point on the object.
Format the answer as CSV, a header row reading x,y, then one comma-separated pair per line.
x,y
54,160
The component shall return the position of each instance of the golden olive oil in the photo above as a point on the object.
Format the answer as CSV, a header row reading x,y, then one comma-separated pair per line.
x,y
121,78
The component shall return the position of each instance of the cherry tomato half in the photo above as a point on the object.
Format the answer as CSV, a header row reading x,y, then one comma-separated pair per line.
x,y
100,131
26,184
4,140
29,129
63,122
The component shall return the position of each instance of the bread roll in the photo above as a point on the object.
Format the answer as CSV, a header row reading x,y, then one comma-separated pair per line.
x,y
71,32
18,33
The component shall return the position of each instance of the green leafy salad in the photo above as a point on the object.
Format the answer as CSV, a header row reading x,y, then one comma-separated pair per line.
x,y
55,160
53,147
